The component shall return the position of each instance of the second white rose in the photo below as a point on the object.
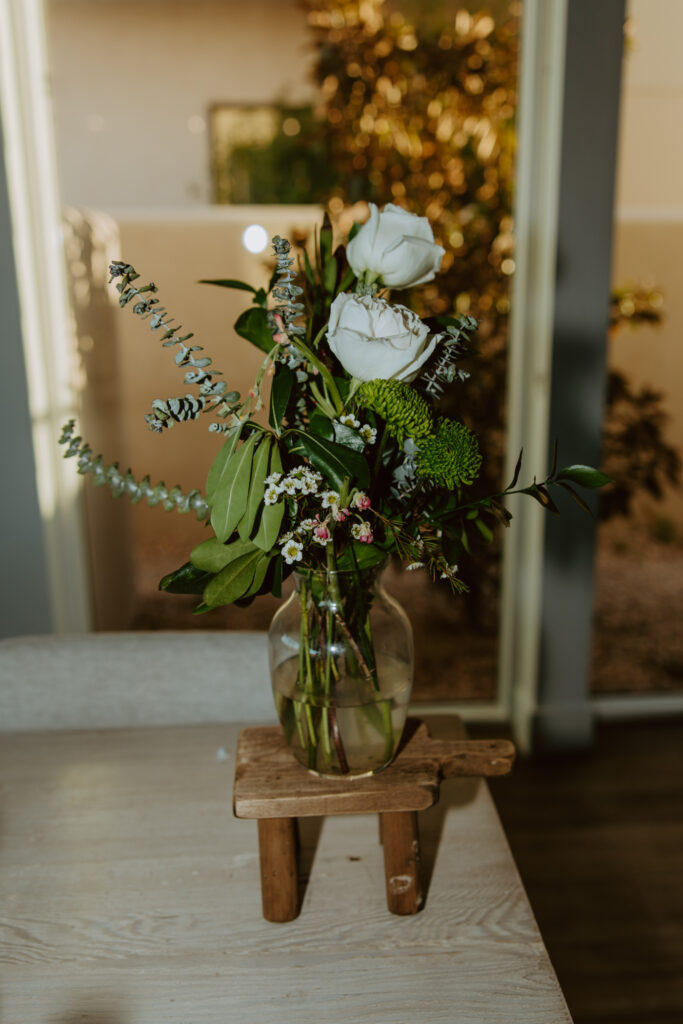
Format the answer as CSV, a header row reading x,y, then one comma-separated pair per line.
x,y
396,246
374,340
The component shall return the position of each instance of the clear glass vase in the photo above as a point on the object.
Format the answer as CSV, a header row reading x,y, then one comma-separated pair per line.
x,y
341,664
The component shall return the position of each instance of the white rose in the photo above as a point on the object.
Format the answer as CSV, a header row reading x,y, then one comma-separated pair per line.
x,y
397,246
372,339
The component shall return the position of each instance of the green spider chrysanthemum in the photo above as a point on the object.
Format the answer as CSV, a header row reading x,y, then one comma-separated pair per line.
x,y
451,457
406,413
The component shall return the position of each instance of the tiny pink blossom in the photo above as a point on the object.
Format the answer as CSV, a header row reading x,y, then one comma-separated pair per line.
x,y
321,532
361,501
362,532
341,514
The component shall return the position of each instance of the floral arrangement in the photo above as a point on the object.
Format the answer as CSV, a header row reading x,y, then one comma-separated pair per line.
x,y
356,462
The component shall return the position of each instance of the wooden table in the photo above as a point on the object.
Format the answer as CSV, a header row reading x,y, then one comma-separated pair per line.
x,y
130,895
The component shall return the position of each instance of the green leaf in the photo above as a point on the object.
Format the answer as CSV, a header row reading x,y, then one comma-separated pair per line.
x,y
308,269
259,576
484,530
333,460
515,475
361,556
253,325
577,497
257,485
230,283
280,393
347,436
346,281
230,501
217,477
234,581
188,579
321,425
539,492
584,476
330,275
271,515
213,556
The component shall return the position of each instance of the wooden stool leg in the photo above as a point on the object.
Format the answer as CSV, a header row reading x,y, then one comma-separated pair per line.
x,y
278,851
401,861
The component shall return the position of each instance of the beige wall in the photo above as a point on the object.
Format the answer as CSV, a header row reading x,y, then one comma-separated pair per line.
x,y
132,83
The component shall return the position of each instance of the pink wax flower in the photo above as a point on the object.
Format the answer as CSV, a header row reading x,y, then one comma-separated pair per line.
x,y
341,514
361,501
362,532
321,533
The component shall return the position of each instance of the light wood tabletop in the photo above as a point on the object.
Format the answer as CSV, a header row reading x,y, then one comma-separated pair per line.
x,y
131,895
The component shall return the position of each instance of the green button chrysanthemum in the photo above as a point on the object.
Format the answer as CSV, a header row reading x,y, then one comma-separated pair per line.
x,y
451,457
406,413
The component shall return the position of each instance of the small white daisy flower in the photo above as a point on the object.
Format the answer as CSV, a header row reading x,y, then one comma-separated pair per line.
x,y
273,479
307,525
292,551
329,499
349,420
309,485
290,485
271,495
368,433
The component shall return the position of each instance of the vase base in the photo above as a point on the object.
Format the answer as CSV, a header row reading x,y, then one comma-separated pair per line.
x,y
348,777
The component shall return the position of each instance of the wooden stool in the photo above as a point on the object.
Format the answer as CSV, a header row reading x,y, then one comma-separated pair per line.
x,y
272,787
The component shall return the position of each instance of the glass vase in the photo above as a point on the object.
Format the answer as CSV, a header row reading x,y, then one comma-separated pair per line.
x,y
341,664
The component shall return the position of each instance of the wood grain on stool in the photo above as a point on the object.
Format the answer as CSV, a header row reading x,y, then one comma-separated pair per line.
x,y
271,786
278,850
401,844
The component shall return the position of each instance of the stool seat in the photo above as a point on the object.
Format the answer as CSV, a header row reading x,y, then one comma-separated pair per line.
x,y
272,787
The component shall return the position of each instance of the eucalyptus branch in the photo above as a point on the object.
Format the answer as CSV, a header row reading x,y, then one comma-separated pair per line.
x,y
172,500
283,317
213,395
443,370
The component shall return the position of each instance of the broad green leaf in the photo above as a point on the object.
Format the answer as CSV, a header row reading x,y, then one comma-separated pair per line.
x,y
361,556
259,576
280,393
230,501
188,579
213,556
271,515
257,485
321,425
217,478
585,476
253,325
234,581
349,437
333,460
229,283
